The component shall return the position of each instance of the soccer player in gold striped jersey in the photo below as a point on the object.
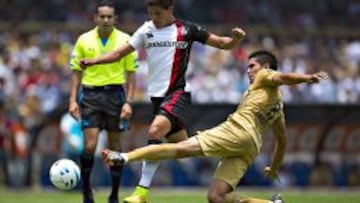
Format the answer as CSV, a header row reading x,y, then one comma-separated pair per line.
x,y
237,141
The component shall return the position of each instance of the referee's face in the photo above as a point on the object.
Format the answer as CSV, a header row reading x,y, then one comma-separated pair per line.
x,y
105,18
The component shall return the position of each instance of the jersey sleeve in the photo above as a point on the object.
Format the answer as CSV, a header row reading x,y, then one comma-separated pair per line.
x,y
76,55
137,40
265,78
198,33
131,62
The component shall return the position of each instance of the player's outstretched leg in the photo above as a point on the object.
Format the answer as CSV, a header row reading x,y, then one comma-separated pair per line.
x,y
233,197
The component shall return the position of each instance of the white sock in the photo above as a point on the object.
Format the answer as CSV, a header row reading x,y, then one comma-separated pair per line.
x,y
147,173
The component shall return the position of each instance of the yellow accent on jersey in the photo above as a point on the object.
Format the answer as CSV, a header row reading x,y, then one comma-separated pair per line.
x,y
260,106
89,45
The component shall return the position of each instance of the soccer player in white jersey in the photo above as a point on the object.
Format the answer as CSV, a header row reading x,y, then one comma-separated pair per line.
x,y
167,41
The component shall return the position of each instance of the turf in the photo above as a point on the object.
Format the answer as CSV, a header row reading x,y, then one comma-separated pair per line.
x,y
179,196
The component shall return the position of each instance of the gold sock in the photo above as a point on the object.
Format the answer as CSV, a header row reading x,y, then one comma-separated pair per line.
x,y
253,200
153,152
235,198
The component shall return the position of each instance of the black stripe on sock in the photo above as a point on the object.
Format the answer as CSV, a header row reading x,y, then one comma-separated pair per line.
x,y
154,142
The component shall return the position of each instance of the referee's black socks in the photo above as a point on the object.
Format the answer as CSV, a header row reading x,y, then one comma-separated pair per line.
x,y
86,164
116,172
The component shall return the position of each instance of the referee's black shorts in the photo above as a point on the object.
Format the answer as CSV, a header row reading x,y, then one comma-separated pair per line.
x,y
100,106
175,106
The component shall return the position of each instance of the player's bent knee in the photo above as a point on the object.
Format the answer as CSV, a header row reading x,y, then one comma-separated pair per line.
x,y
156,132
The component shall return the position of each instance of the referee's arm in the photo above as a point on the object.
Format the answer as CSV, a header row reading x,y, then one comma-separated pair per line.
x,y
75,83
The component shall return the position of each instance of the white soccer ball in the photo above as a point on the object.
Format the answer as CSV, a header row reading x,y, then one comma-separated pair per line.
x,y
64,174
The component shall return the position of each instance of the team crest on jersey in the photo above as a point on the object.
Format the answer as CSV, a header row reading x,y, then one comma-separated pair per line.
x,y
149,35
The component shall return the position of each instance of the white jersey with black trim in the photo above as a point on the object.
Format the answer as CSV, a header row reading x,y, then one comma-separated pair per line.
x,y
168,51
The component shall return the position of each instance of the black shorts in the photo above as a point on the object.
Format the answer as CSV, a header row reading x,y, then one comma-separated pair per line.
x,y
175,107
100,107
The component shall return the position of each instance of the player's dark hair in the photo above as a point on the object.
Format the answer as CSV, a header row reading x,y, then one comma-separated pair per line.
x,y
108,3
165,4
263,57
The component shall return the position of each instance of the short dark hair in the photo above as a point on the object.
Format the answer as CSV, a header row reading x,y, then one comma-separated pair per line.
x,y
263,57
165,4
108,3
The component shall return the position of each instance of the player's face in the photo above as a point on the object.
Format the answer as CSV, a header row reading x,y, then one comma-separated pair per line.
x,y
105,18
160,16
253,68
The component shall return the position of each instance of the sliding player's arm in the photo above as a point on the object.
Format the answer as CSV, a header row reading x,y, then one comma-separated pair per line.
x,y
279,130
297,78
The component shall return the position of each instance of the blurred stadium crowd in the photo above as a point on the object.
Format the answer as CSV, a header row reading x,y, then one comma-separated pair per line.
x,y
36,39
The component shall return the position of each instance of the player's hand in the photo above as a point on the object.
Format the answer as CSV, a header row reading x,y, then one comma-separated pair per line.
x,y
270,173
318,77
238,33
84,63
74,110
126,111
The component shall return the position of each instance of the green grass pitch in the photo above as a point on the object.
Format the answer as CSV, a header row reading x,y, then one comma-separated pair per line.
x,y
181,196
